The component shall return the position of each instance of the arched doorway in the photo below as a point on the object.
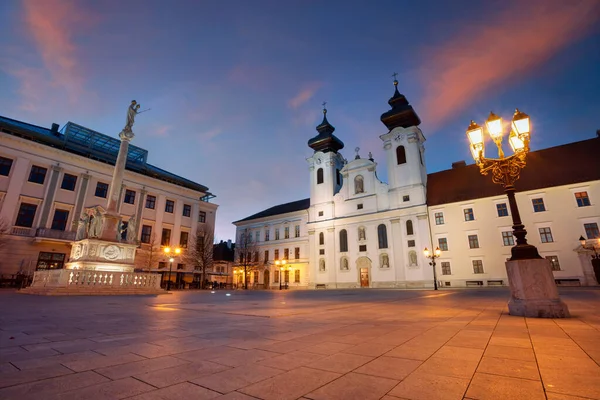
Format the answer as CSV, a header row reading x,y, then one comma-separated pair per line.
x,y
267,278
363,266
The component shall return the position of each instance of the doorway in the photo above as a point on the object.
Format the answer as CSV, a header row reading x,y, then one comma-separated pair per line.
x,y
364,277
267,279
363,265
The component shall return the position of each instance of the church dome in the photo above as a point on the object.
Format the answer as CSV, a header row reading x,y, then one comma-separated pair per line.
x,y
401,114
325,141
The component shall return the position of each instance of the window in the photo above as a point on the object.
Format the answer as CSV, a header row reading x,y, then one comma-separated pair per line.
x,y
187,210
443,244
202,217
129,196
382,236
255,257
5,166
50,261
297,276
276,233
286,254
502,210
406,198
26,215
276,254
267,232
591,230
37,174
297,231
338,177
446,268
359,184
362,247
508,239
469,214
162,265
180,266
255,276
68,182
582,199
321,239
320,213
439,218
359,206
59,222
146,233
124,230
169,206
183,239
101,190
400,155
297,253
286,232
319,176
150,202
321,252
165,239
477,267
276,277
409,228
266,256
554,264
538,205
343,241
287,276
411,243
257,236
546,235
473,242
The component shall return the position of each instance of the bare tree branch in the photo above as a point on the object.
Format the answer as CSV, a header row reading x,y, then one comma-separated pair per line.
x,y
148,254
246,254
200,253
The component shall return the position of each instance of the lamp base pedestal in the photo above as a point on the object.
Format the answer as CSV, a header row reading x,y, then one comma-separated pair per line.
x,y
533,290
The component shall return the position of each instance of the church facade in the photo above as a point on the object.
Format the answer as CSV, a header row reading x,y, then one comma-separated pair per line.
x,y
357,231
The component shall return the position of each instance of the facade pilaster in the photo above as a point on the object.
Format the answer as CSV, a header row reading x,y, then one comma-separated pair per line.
x,y
49,197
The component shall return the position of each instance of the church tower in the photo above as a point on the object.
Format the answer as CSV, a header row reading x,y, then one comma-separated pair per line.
x,y
324,165
405,153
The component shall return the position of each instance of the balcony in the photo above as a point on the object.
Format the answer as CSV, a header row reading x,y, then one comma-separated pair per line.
x,y
46,233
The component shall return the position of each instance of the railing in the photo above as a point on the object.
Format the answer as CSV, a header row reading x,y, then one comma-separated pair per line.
x,y
21,231
55,234
97,279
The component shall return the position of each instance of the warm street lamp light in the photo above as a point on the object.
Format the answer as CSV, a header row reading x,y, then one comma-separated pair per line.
x,y
532,285
436,254
169,252
281,267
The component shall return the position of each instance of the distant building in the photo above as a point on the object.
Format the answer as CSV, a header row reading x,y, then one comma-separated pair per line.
x,y
357,231
222,271
49,177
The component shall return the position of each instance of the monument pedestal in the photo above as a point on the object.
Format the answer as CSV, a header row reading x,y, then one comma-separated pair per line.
x,y
533,290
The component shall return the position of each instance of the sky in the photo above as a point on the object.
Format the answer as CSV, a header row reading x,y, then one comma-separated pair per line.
x,y
235,87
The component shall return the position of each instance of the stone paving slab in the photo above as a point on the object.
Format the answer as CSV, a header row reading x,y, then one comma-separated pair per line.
x,y
326,344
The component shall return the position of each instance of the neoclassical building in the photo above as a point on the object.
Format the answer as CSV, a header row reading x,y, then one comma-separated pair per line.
x,y
357,231
48,177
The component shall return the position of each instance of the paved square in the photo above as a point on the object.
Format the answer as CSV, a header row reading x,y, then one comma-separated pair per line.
x,y
323,344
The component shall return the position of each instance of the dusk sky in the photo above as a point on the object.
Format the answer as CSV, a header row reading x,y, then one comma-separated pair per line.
x,y
235,87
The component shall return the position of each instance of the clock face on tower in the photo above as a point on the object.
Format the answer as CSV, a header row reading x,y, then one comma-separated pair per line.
x,y
399,137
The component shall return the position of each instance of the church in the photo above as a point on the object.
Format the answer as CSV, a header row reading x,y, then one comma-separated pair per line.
x,y
357,231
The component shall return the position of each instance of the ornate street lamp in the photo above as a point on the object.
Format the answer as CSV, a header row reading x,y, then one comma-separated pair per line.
x,y
594,246
169,253
532,285
436,254
281,267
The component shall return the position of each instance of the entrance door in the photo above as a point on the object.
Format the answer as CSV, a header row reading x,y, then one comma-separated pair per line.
x,y
364,277
267,278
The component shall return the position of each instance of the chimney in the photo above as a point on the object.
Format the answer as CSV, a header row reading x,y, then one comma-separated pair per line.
x,y
459,164
54,129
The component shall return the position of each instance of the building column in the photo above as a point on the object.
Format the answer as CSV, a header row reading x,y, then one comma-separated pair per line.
x,y
49,198
11,199
422,237
313,266
330,260
177,223
85,178
140,210
398,250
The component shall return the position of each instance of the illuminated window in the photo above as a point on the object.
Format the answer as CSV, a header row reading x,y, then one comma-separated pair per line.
x,y
591,230
439,218
582,199
553,262
443,244
538,205
473,242
477,267
546,235
502,210
508,239
469,216
446,268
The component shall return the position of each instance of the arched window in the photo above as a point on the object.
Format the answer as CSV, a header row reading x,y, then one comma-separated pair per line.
x,y
319,176
382,236
359,186
400,155
409,228
321,239
343,240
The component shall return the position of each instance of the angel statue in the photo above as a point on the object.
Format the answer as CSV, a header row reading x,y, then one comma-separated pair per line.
x,y
96,225
131,230
82,226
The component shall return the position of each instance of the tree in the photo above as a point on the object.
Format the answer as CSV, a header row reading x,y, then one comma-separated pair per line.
x,y
148,254
246,252
200,252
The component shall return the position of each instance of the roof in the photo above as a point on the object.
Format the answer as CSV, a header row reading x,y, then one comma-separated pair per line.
x,y
555,166
297,205
85,142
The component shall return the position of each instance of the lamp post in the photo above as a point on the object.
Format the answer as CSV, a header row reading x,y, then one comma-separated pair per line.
x,y
436,254
169,253
533,290
594,247
281,267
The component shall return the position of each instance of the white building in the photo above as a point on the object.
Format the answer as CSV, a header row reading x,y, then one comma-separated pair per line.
x,y
356,231
48,178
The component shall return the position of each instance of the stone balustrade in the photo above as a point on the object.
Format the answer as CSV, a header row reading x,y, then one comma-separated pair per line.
x,y
74,278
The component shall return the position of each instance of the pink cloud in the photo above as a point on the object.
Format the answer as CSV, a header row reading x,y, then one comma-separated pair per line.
x,y
304,95
502,47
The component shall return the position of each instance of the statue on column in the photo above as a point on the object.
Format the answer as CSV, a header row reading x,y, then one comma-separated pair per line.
x,y
82,226
131,113
132,229
96,225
